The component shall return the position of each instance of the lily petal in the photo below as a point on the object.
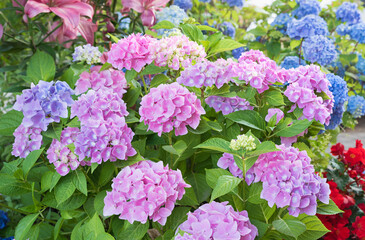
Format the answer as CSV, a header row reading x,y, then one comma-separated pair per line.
x,y
33,8
87,29
148,17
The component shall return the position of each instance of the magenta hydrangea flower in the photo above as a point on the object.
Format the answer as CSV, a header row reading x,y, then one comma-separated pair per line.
x,y
227,161
257,70
218,221
27,139
289,179
305,82
60,155
170,106
206,73
176,51
132,52
44,103
228,104
272,112
111,140
96,107
145,190
112,79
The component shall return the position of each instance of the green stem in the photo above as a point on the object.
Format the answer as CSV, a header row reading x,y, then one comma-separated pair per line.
x,y
300,50
357,43
144,85
13,209
89,180
18,40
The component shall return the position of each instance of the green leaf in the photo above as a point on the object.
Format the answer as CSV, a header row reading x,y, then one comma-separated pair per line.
x,y
192,31
189,198
41,67
223,46
11,186
159,79
105,66
79,180
9,122
328,209
57,228
99,202
24,225
207,28
54,131
294,43
258,31
248,118
93,227
290,227
133,93
152,69
260,211
105,236
200,186
314,227
298,126
224,185
164,24
76,233
64,189
212,175
113,38
74,202
130,74
46,180
273,97
135,231
215,126
30,160
254,193
177,217
106,173
216,144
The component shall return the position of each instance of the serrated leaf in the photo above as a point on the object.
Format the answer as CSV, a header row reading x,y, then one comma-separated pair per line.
x,y
290,227
134,231
212,175
64,189
30,160
328,209
79,180
159,79
216,144
297,127
224,185
9,122
224,45
164,24
200,186
41,67
248,118
24,225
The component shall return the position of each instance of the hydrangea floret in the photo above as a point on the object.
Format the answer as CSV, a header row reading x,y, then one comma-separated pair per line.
x,y
173,14
87,53
307,26
292,62
243,142
307,7
319,49
348,13
227,161
356,106
228,104
27,139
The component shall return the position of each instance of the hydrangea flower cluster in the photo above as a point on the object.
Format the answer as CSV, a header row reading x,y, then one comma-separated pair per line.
x,y
184,4
282,20
304,82
173,14
292,62
44,103
274,111
348,12
238,51
145,190
356,106
60,155
235,3
3,219
307,26
217,221
227,161
170,106
357,32
96,80
176,51
307,7
104,134
343,29
228,104
87,53
360,65
243,142
228,29
319,49
132,52
338,68
206,73
289,180
27,139
339,90
257,70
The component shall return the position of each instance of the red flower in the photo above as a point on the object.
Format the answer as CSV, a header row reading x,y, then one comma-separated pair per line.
x,y
362,206
359,144
352,173
337,149
338,233
354,156
359,227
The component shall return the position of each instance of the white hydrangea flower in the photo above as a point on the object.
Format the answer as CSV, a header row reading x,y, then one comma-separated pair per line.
x,y
87,53
243,142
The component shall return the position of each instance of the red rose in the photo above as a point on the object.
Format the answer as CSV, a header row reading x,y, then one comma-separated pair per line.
x,y
359,227
337,149
359,144
354,156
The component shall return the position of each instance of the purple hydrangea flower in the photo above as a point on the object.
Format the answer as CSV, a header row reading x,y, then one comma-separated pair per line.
x,y
348,13
227,161
289,179
228,104
145,190
307,26
307,7
27,139
218,221
170,106
274,111
319,49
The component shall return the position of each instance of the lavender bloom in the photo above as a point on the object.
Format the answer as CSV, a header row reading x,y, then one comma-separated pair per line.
x,y
228,105
307,26
227,161
26,141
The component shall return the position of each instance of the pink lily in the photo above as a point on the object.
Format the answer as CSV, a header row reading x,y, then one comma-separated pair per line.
x,y
1,31
147,9
69,10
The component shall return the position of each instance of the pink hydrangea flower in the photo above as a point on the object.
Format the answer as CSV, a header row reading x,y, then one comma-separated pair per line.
x,y
145,190
272,112
170,106
27,139
227,161
176,51
289,179
218,221
112,79
60,155
132,52
228,105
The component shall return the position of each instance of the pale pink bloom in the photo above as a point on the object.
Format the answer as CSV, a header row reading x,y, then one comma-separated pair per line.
x,y
1,31
147,9
22,3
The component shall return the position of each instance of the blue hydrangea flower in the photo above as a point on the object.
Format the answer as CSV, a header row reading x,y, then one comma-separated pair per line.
x,y
292,62
3,219
282,21
343,29
173,14
319,49
238,51
360,65
123,22
183,4
348,12
339,90
356,106
8,238
339,70
307,26
205,1
234,3
357,32
307,7
228,29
